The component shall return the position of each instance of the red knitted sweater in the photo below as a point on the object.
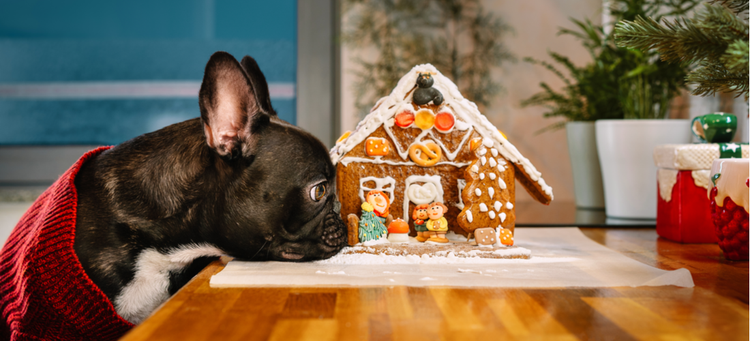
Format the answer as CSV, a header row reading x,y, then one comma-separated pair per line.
x,y
44,292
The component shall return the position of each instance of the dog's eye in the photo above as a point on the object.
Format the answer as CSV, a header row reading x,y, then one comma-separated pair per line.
x,y
318,192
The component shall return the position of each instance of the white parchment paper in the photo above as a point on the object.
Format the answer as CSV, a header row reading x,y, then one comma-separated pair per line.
x,y
561,257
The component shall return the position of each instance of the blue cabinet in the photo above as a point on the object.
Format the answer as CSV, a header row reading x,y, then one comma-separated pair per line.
x,y
101,72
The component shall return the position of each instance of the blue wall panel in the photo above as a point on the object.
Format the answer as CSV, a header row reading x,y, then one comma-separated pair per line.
x,y
45,42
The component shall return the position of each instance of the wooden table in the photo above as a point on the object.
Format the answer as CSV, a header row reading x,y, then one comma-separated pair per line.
x,y
716,309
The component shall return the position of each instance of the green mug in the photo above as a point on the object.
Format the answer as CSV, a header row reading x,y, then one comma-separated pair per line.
x,y
715,127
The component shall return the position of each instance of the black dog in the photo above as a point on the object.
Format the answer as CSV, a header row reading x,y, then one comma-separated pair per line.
x,y
153,211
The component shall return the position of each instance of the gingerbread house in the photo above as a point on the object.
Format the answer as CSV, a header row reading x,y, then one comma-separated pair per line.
x,y
420,153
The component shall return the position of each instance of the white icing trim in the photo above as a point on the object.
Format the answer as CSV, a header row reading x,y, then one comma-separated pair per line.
x,y
349,159
702,178
731,183
434,179
461,184
379,185
667,178
462,108
422,194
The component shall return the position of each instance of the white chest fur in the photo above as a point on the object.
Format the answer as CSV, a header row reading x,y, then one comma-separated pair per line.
x,y
150,285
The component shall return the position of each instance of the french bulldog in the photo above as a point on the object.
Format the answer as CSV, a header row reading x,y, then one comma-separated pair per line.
x,y
238,181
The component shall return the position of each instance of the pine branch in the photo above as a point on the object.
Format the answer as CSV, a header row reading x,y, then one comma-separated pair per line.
x,y
735,58
736,6
683,40
713,78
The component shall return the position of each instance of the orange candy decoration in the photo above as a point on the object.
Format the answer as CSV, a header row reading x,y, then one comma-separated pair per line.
x,y
376,146
506,237
343,137
398,226
444,121
425,119
404,118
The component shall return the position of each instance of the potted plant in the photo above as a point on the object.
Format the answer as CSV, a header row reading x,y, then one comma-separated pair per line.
x,y
619,86
589,94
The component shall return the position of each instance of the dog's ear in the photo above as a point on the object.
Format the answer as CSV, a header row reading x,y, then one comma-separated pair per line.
x,y
233,105
259,83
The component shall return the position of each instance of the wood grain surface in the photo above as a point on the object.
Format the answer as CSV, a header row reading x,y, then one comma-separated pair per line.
x,y
716,309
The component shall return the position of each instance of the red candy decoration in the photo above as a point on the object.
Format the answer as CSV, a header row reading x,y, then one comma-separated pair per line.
x,y
731,224
444,121
404,118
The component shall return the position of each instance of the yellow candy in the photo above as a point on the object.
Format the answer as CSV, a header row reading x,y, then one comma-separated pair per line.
x,y
501,133
343,137
424,119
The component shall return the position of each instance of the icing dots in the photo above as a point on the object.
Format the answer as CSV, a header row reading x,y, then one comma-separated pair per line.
x,y
502,217
491,192
492,214
509,205
469,217
481,176
493,163
483,207
478,192
492,176
498,206
501,183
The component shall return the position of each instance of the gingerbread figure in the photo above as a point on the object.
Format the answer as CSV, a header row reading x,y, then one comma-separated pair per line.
x,y
374,213
420,218
437,225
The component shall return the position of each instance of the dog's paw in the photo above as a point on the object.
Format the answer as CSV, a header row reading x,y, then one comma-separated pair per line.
x,y
334,232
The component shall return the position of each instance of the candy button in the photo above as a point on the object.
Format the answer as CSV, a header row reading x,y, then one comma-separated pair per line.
x,y
475,142
425,119
343,137
375,146
501,133
404,118
444,121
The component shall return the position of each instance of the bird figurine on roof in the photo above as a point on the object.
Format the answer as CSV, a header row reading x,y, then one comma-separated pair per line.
x,y
425,92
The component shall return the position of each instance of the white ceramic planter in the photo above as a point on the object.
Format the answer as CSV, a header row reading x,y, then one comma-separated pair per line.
x,y
587,175
625,149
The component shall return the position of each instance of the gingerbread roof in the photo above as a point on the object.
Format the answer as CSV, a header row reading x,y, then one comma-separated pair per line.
x,y
386,108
